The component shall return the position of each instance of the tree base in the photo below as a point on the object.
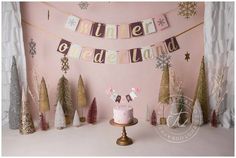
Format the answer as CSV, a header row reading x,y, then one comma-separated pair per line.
x,y
82,119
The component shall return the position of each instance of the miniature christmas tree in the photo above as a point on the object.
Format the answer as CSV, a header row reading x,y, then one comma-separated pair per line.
x,y
197,118
64,97
182,110
154,118
15,97
92,113
43,104
76,120
164,92
173,118
213,119
60,121
201,92
26,122
82,98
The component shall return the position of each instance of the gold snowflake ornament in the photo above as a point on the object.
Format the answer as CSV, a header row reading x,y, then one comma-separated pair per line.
x,y
187,9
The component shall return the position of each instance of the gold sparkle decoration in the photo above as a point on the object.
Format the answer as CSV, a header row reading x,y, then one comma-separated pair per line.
x,y
187,9
187,56
65,64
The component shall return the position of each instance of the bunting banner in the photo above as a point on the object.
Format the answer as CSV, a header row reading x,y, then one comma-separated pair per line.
x,y
121,98
114,31
103,56
120,31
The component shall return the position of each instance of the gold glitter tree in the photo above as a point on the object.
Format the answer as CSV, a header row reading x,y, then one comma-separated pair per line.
x,y
82,98
201,92
43,103
164,92
26,121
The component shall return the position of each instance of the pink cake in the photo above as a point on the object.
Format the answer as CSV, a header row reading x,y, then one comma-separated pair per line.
x,y
123,114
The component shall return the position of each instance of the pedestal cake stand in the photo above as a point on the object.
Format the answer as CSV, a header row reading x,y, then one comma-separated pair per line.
x,y
124,139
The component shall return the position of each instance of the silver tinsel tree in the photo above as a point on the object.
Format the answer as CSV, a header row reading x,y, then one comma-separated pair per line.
x,y
15,97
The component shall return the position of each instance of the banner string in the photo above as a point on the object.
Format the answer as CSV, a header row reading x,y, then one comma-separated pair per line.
x,y
68,13
57,36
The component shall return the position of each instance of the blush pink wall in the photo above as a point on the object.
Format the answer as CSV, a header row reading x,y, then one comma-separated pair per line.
x,y
98,77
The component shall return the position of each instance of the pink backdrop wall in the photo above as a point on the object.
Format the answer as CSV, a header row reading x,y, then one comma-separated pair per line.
x,y
98,77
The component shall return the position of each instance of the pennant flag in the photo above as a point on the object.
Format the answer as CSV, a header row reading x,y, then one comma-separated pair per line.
x,y
136,29
147,53
85,27
75,51
111,31
172,44
98,29
99,56
128,97
64,46
114,96
135,55
123,31
72,22
111,57
133,95
148,26
118,98
160,48
123,57
87,54
161,22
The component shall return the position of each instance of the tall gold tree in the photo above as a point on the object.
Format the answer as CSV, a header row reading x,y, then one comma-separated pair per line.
x,y
44,105
164,92
201,92
65,98
81,97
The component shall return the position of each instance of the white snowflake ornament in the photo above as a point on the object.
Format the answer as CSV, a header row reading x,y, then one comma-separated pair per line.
x,y
162,60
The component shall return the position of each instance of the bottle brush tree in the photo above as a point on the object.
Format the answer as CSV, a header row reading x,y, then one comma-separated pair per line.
x,y
76,120
15,97
60,121
64,97
92,113
81,97
44,106
153,118
214,119
182,110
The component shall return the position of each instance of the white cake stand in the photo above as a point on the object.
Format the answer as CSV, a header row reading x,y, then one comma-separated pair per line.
x,y
124,139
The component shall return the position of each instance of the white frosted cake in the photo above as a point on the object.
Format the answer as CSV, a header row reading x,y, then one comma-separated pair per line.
x,y
123,114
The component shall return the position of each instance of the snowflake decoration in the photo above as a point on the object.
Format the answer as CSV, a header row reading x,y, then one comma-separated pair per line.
x,y
65,64
72,22
163,60
83,5
32,47
187,9
161,22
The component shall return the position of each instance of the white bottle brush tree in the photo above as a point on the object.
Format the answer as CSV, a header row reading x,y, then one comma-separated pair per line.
x,y
76,120
60,121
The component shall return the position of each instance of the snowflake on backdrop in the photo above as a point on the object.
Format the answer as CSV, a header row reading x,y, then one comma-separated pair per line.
x,y
162,60
161,22
83,5
187,9
65,64
32,47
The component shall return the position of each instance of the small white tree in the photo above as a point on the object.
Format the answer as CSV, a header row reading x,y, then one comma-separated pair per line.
x,y
197,117
173,118
76,120
60,121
